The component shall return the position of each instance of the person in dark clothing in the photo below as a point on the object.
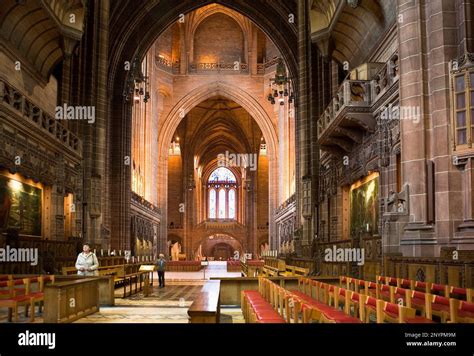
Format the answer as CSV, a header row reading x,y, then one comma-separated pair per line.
x,y
161,267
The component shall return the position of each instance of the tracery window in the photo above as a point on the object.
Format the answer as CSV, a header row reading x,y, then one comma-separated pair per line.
x,y
222,194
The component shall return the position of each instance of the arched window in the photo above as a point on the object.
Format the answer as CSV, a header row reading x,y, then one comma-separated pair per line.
x,y
222,204
212,204
231,204
222,174
222,190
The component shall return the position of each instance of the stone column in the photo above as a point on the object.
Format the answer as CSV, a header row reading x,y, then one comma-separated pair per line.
x,y
412,47
427,35
303,128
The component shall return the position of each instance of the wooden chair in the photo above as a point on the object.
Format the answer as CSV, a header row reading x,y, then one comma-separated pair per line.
x,y
370,308
461,311
438,306
395,313
466,294
353,303
405,283
439,289
13,301
418,300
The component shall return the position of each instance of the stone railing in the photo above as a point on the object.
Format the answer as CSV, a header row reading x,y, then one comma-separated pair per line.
x,y
385,78
357,94
226,68
167,65
220,224
143,203
45,122
352,93
175,227
271,62
288,202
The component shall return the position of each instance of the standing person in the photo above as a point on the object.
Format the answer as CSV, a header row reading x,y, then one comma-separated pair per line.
x,y
161,266
87,262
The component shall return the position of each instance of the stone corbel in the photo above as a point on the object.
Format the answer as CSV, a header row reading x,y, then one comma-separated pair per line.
x,y
397,204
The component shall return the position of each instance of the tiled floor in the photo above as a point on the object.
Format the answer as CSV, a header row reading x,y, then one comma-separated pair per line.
x,y
163,305
169,304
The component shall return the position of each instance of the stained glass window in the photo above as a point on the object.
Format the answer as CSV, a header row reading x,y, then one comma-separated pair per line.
x,y
222,204
232,204
222,174
212,204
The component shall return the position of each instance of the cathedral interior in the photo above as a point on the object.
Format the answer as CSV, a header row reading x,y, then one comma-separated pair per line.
x,y
305,161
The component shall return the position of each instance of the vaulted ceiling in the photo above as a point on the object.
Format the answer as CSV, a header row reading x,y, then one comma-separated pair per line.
x,y
345,30
215,126
40,32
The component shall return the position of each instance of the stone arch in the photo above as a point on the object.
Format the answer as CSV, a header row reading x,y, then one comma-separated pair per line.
x,y
207,91
250,104
133,30
140,26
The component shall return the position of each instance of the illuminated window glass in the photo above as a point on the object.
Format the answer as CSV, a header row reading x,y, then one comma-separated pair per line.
x,y
232,204
222,204
212,204
222,174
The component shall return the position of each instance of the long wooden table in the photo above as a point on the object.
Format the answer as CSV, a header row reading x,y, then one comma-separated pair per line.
x,y
206,307
67,301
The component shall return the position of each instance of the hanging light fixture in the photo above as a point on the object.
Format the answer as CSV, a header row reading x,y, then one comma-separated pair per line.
x,y
137,83
280,86
191,182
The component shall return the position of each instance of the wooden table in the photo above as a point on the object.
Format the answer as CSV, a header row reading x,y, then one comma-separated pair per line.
x,y
67,301
206,307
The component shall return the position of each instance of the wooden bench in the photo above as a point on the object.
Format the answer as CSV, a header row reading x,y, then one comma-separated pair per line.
x,y
291,271
270,271
206,307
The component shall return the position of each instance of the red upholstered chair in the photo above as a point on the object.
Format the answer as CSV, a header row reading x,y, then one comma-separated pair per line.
x,y
466,294
422,286
417,300
438,306
439,289
13,301
398,295
405,283
370,288
17,284
382,291
353,303
391,281
461,311
395,313
370,308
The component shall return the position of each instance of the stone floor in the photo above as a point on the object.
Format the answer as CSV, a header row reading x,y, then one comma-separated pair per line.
x,y
164,305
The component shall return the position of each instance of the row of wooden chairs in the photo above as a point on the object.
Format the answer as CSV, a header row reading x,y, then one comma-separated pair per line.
x,y
26,292
427,304
361,306
257,307
444,290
